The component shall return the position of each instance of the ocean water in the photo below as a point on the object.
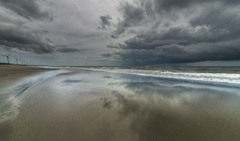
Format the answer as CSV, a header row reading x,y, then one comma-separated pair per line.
x,y
212,75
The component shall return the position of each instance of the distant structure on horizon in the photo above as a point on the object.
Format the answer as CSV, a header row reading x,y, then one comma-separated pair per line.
x,y
8,59
16,60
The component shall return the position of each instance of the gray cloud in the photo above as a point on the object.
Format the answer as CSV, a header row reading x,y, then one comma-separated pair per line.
x,y
105,21
27,9
135,14
117,32
106,54
218,20
27,39
15,33
167,5
132,16
146,32
209,34
69,50
222,51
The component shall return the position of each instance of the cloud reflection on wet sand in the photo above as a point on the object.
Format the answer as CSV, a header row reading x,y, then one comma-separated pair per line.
x,y
154,118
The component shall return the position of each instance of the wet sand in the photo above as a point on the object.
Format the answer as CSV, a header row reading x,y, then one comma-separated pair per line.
x,y
99,106
10,74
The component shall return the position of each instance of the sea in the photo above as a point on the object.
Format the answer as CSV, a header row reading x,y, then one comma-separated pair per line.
x,y
227,76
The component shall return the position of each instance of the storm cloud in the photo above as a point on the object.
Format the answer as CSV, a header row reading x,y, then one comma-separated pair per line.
x,y
181,31
105,22
127,32
27,9
132,16
167,5
15,33
18,34
223,51
69,49
26,39
106,54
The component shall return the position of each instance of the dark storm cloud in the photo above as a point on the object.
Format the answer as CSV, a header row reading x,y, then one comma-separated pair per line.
x,y
117,32
106,54
29,9
184,36
218,19
117,46
209,34
223,51
26,39
105,22
15,33
146,42
166,5
132,16
69,50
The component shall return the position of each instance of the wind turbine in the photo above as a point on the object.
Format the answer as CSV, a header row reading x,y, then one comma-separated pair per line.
x,y
8,59
16,59
23,62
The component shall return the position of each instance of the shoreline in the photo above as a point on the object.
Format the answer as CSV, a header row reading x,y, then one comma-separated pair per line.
x,y
10,74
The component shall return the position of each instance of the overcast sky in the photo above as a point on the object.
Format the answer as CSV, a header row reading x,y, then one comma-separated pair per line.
x,y
118,32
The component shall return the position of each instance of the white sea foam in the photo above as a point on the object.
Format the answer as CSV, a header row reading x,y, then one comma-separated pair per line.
x,y
190,76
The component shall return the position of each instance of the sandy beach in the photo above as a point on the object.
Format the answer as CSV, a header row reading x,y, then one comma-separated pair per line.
x,y
75,104
13,73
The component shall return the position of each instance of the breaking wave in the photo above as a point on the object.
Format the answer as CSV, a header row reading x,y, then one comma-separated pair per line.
x,y
190,76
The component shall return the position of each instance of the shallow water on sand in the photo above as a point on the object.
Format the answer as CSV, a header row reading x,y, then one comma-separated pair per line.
x,y
88,105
